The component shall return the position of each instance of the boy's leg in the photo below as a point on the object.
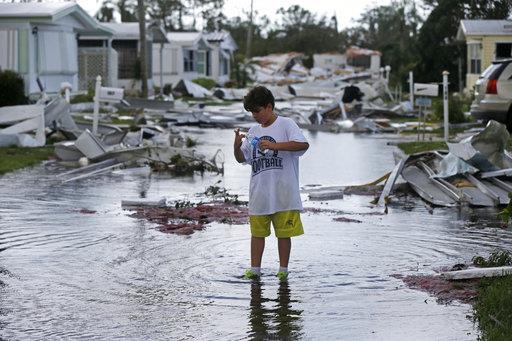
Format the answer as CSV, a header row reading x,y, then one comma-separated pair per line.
x,y
260,228
257,247
287,224
284,246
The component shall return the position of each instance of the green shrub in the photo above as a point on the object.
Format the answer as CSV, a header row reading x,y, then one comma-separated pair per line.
x,y
230,84
190,142
207,83
456,107
496,258
83,98
12,88
167,89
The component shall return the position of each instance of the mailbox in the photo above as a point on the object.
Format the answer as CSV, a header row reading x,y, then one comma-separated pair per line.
x,y
422,89
111,94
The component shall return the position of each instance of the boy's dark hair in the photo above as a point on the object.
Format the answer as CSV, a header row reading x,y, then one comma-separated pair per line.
x,y
257,98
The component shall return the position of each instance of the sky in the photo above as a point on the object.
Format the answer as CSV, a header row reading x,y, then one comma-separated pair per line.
x,y
345,10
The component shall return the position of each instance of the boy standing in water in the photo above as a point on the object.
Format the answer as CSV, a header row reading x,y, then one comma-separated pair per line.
x,y
272,148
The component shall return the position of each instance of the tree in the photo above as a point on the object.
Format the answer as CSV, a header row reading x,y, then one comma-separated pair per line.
x,y
391,30
172,13
142,54
166,12
125,8
106,12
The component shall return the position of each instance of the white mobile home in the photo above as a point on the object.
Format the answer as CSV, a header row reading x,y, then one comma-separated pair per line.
x,y
39,40
191,55
223,48
186,56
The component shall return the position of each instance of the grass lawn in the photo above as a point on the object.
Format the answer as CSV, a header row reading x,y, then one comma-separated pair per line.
x,y
493,308
421,146
12,158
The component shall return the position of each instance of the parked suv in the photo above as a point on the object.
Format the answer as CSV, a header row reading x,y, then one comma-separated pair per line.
x,y
493,94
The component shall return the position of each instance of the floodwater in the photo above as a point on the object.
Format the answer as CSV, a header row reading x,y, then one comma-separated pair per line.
x,y
68,274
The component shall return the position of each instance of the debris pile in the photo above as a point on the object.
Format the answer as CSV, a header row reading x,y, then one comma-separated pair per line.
x,y
185,217
476,171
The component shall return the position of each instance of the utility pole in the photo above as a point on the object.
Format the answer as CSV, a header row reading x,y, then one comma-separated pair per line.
x,y
249,36
142,52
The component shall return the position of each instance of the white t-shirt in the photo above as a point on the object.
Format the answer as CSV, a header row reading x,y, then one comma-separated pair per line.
x,y
274,183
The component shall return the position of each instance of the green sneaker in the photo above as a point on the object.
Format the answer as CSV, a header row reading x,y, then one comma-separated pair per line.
x,y
283,276
249,274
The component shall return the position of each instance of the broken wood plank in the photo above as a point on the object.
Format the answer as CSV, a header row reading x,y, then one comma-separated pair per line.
x,y
130,204
388,187
477,273
326,195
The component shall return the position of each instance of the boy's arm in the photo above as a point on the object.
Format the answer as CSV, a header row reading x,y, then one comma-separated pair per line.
x,y
239,155
292,146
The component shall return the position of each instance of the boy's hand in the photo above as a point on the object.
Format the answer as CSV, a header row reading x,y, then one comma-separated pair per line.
x,y
238,138
266,144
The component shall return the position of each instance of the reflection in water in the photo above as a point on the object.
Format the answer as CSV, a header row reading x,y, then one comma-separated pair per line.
x,y
143,186
3,311
273,318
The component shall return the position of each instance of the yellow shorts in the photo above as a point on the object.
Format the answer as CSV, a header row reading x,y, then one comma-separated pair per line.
x,y
286,224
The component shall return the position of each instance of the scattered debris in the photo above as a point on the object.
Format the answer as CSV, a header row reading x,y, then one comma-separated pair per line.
x,y
346,220
329,193
461,283
457,177
189,88
128,204
185,220
86,211
445,291
24,119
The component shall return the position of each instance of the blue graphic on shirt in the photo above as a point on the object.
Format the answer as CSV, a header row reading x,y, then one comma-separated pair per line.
x,y
265,160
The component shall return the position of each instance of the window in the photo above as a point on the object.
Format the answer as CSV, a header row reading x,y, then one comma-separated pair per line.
x,y
475,58
200,62
188,60
225,66
127,58
23,39
174,61
503,50
224,62
208,63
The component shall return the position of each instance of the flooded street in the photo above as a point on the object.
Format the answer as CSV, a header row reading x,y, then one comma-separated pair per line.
x,y
69,273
